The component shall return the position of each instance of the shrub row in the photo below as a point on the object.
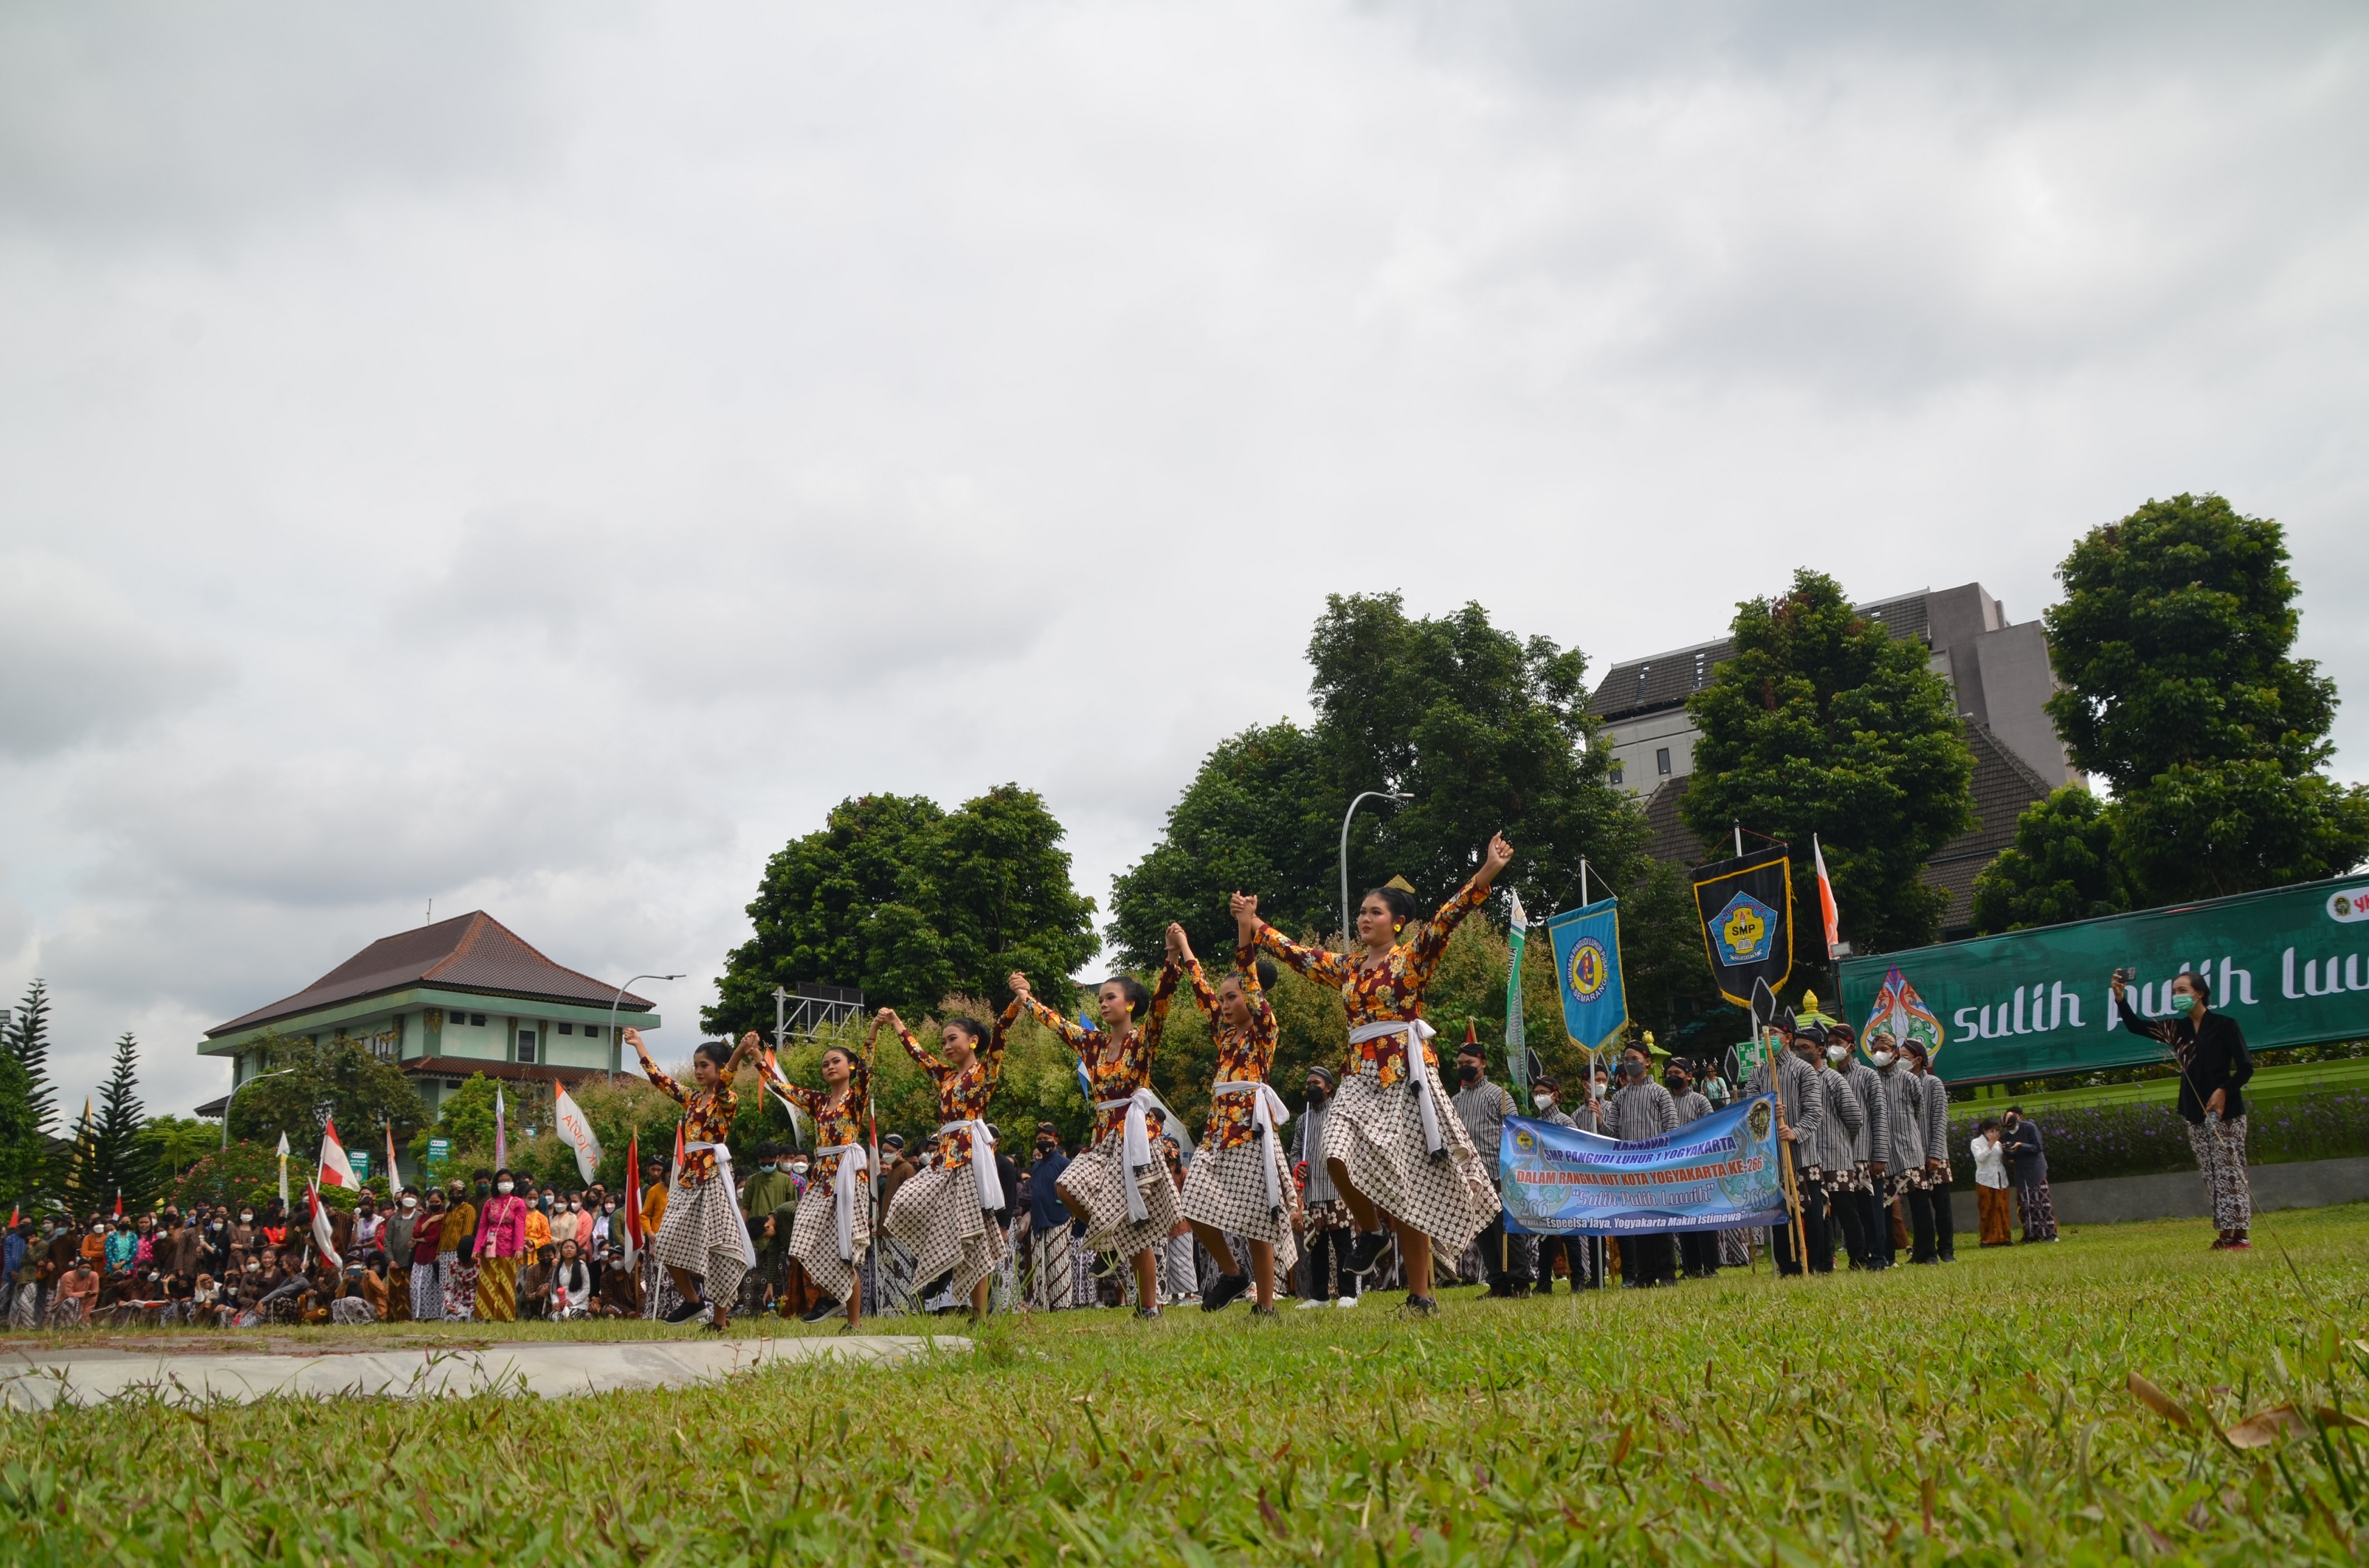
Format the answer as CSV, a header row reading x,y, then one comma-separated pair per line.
x,y
2090,1142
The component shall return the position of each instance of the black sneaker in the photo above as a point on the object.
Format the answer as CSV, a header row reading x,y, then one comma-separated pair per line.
x,y
686,1311
1258,1311
1226,1292
825,1308
1421,1306
1367,1250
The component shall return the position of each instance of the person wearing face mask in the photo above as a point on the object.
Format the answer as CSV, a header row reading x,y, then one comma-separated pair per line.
x,y
2027,1162
426,1275
1860,1188
501,1251
1788,1069
1904,1120
1240,1184
1050,1270
1833,1154
1508,1260
402,1237
1326,1225
768,1204
1641,1109
455,1273
1697,1250
1934,1097
1546,1097
244,1239
2215,1066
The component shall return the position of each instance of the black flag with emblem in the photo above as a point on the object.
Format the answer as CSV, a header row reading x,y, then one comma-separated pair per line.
x,y
1746,905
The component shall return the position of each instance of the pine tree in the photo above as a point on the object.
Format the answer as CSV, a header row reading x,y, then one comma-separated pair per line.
x,y
120,1163
28,1040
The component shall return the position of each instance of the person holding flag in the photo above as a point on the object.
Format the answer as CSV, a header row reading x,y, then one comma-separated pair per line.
x,y
829,1238
944,1215
703,1243
1240,1182
1392,1145
1119,1185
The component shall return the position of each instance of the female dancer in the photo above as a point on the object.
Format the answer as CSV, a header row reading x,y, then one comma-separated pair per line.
x,y
944,1216
1239,1182
1119,1186
830,1238
1392,1142
702,1241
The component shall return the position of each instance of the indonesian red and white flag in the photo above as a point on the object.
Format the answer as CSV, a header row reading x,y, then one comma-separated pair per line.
x,y
1827,911
322,1237
337,1171
632,1198
118,1203
577,1131
394,1172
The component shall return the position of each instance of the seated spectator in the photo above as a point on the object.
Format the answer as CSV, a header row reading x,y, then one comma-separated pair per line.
x,y
534,1284
206,1302
77,1295
571,1285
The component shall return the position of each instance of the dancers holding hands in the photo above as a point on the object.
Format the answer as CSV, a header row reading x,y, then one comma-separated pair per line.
x,y
1239,1182
829,1238
945,1216
1393,1145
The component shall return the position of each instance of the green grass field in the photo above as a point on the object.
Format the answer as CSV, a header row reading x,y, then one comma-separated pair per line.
x,y
1976,1414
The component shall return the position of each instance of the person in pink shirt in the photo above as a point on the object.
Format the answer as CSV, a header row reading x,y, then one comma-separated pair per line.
x,y
501,1248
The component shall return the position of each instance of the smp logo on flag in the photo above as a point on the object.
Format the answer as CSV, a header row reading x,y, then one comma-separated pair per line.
x,y
1589,969
1746,930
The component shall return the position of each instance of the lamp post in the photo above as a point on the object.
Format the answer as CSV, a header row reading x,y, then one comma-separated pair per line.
x,y
613,1020
235,1088
1348,930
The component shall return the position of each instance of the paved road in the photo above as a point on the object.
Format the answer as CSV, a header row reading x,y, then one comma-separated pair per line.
x,y
32,1381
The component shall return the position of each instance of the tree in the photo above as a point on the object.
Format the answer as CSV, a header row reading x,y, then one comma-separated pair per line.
x,y
24,1147
466,1120
112,1161
1824,723
1483,730
2173,645
28,1042
339,1077
912,903
2061,867
175,1143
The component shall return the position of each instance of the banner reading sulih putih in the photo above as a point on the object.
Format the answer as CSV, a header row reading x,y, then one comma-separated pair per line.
x,y
1746,906
1712,1174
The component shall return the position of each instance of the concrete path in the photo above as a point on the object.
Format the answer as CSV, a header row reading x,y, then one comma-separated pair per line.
x,y
32,1381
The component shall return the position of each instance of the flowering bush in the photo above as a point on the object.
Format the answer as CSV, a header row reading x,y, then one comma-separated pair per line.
x,y
2088,1142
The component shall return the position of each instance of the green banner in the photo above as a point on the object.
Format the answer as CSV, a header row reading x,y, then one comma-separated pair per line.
x,y
2291,965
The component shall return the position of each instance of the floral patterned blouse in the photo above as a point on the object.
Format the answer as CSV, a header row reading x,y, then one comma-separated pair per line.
x,y
963,1092
706,1118
1115,1073
1385,991
833,1125
1244,1054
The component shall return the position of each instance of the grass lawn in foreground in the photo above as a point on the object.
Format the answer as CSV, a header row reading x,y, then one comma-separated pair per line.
x,y
1980,1413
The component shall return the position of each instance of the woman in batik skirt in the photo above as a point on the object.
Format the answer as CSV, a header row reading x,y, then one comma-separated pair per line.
x,y
1239,1182
1119,1186
1393,1144
703,1243
834,1222
944,1214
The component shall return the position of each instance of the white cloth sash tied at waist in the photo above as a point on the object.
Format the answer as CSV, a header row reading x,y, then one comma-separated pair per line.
x,y
1135,1147
851,1167
1268,1111
1415,1032
982,1160
724,1173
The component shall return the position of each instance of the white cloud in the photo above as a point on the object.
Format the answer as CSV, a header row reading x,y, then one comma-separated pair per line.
x,y
79,664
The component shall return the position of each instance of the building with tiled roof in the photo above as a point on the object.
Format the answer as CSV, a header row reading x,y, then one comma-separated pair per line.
x,y
457,997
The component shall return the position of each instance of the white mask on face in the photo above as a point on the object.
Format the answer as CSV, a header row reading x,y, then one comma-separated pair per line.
x,y
246,1219
410,1202
1542,1100
1838,1054
503,1187
1881,1057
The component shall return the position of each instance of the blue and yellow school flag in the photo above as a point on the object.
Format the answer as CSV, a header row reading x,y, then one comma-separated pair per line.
x,y
1587,970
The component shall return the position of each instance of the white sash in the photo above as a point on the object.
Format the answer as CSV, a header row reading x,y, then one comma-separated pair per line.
x,y
842,1189
724,1173
1417,1032
1135,1147
1266,1109
982,1161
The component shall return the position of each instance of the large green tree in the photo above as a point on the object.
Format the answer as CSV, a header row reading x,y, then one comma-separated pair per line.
x,y
1823,722
338,1077
28,1040
24,1147
1482,730
912,903
112,1160
2173,644
2061,867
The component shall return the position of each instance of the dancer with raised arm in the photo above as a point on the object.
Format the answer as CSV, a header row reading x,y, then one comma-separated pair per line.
x,y
944,1214
1392,1143
829,1236
1239,1182
1119,1186
703,1243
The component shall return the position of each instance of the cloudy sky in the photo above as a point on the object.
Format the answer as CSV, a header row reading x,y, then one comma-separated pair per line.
x,y
539,458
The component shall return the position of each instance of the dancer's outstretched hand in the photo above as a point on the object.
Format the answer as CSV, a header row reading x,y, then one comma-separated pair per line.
x,y
1180,948
1245,907
1501,855
1019,984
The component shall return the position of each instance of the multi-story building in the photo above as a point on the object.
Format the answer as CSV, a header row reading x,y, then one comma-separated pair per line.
x,y
1998,669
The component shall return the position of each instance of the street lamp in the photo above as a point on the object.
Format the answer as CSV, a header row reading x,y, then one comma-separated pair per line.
x,y
1347,929
235,1088
613,1020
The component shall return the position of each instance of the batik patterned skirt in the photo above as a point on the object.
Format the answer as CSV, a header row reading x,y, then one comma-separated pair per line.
x,y
1224,1189
1377,1133
497,1290
814,1238
460,1281
1093,1183
702,1234
427,1292
936,1218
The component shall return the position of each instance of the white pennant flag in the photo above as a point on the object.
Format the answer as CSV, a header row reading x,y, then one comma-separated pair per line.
x,y
283,1172
577,1131
336,1170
